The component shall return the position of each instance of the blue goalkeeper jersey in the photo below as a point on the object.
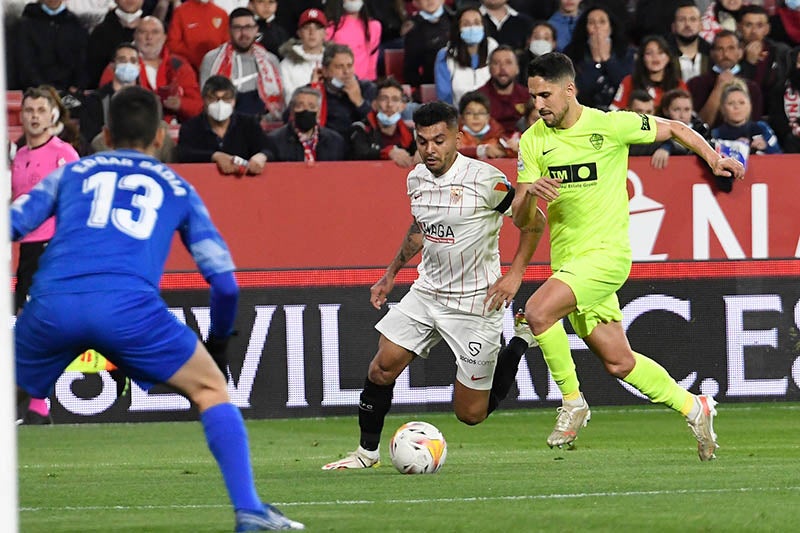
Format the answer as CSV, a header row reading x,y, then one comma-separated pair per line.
x,y
116,214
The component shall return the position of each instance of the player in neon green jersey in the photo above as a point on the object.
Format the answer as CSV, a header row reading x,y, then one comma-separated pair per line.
x,y
576,160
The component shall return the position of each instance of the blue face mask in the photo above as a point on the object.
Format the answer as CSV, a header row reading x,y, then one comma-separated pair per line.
x,y
472,34
433,17
483,131
734,70
388,120
56,11
794,5
126,72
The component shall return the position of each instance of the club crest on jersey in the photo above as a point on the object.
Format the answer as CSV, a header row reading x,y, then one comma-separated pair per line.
x,y
456,193
597,140
216,22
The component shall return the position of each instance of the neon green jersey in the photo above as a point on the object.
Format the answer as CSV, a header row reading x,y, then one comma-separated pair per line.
x,y
591,160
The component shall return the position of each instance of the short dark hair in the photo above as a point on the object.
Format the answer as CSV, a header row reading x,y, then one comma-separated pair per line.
x,y
134,115
473,96
120,46
640,95
42,91
435,112
389,83
672,95
334,49
537,23
218,83
240,12
751,10
725,33
502,48
552,66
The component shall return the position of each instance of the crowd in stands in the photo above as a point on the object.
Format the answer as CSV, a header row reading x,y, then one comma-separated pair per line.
x,y
246,82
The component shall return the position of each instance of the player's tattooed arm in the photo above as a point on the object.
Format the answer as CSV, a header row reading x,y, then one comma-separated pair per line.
x,y
411,246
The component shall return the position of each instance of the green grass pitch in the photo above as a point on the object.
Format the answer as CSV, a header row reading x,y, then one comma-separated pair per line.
x,y
634,469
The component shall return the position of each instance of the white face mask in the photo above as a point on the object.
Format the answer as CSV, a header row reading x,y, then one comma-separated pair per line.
x,y
539,47
126,72
337,83
128,18
220,110
353,6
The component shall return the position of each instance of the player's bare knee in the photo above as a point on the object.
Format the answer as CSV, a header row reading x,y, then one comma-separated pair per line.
x,y
380,375
538,322
619,369
471,417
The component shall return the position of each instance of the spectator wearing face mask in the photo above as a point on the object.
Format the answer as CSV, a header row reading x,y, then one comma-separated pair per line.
x,y
303,138
117,27
726,52
463,65
428,35
383,135
481,135
543,39
50,46
234,141
345,97
92,113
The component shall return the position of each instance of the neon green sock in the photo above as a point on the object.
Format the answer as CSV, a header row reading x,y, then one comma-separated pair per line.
x,y
555,348
652,380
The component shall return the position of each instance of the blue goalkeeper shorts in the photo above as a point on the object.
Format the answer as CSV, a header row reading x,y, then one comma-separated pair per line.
x,y
132,329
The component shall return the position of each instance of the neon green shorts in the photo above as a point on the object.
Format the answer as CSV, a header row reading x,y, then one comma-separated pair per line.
x,y
595,277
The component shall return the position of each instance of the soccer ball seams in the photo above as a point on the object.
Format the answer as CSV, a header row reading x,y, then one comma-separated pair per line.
x,y
418,448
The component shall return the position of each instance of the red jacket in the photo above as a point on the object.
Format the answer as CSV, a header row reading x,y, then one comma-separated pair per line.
x,y
174,75
195,29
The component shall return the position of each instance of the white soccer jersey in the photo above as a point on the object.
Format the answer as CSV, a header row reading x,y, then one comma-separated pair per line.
x,y
460,216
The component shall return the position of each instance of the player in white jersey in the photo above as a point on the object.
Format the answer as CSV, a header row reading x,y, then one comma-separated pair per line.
x,y
458,206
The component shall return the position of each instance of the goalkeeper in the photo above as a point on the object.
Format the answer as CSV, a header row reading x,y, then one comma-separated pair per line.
x,y
127,206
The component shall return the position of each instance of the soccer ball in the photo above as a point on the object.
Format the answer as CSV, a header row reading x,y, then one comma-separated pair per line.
x,y
418,448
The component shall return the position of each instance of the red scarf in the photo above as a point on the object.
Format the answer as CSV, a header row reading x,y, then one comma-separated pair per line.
x,y
309,142
270,89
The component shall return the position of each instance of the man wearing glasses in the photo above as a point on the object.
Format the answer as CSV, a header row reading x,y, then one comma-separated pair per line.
x,y
254,71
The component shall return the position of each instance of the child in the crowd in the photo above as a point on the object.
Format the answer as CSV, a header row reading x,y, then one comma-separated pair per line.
x,y
482,136
641,102
529,116
677,105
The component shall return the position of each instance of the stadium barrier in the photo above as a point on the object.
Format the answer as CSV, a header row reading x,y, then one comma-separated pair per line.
x,y
713,294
